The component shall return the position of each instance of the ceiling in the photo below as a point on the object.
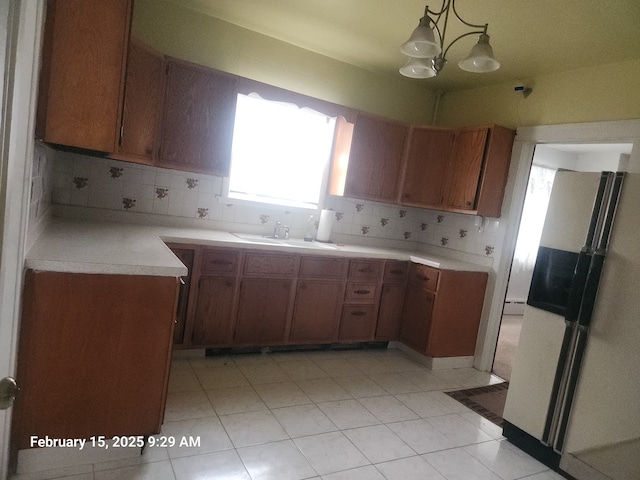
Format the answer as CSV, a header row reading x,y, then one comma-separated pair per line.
x,y
529,38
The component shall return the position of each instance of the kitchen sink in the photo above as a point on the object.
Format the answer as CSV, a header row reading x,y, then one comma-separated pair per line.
x,y
286,242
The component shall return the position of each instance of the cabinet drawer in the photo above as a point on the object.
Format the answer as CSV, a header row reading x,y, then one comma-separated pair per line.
x,y
323,267
395,271
358,322
270,264
360,291
369,269
424,276
220,261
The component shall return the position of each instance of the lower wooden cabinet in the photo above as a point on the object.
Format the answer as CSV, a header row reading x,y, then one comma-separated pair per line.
x,y
390,312
442,311
250,298
358,323
263,311
186,256
391,300
416,318
94,355
317,306
214,312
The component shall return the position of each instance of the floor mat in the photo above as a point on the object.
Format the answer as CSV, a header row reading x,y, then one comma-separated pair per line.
x,y
487,401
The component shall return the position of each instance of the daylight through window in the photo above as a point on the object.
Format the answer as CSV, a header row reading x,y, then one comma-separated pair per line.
x,y
280,153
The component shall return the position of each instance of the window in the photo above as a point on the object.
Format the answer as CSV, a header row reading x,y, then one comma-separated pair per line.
x,y
280,153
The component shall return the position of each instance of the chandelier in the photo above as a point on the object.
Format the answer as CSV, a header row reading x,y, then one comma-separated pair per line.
x,y
426,46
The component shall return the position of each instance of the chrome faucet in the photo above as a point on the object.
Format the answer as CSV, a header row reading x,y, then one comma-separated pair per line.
x,y
280,231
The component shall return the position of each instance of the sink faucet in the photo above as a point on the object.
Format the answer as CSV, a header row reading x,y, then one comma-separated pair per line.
x,y
280,231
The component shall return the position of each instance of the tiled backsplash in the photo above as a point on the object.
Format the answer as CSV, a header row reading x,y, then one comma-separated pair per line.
x,y
41,183
110,184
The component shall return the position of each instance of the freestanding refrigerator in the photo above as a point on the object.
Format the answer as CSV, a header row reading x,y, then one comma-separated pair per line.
x,y
575,388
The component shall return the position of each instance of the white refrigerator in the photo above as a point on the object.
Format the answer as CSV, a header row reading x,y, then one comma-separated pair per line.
x,y
574,395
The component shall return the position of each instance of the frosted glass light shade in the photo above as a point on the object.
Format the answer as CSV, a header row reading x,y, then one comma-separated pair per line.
x,y
418,68
481,59
422,43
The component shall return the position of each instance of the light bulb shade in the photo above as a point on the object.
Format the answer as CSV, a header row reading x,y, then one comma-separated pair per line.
x,y
422,43
481,59
418,68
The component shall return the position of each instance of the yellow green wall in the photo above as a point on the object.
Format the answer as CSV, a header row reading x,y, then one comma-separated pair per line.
x,y
182,33
605,93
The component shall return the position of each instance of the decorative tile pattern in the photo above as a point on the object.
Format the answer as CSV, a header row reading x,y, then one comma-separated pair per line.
x,y
128,203
80,182
106,182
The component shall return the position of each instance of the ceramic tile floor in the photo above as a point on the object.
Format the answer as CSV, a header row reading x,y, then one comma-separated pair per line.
x,y
338,415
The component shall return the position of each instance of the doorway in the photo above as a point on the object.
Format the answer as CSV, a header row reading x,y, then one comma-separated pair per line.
x,y
547,159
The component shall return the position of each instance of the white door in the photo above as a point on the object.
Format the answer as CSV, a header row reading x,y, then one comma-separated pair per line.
x,y
20,30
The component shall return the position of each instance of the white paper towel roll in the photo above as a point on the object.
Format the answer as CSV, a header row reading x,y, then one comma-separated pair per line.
x,y
325,225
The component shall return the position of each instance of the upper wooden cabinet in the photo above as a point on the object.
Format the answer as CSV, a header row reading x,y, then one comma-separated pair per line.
x,y
479,169
425,172
142,107
375,159
459,170
465,167
197,126
82,77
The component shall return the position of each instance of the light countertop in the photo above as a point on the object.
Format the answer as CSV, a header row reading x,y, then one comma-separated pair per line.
x,y
81,246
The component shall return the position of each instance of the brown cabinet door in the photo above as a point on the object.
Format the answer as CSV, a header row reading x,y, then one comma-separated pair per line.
x,y
143,89
358,323
456,314
263,311
390,312
82,73
416,317
375,159
94,355
466,167
186,256
315,318
426,167
495,171
213,321
198,119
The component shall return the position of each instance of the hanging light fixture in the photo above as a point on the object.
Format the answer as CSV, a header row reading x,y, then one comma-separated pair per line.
x,y
427,51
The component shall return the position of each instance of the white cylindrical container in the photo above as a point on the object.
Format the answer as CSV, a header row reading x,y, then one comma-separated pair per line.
x,y
325,225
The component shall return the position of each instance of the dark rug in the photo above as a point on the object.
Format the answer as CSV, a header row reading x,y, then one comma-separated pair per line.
x,y
487,401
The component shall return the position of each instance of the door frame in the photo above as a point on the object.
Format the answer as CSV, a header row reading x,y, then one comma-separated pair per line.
x,y
24,22
620,131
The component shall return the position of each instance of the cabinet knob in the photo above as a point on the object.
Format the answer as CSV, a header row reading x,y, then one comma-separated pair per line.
x,y
362,292
358,313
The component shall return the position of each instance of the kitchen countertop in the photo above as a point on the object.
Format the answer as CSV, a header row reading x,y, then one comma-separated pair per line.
x,y
81,246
